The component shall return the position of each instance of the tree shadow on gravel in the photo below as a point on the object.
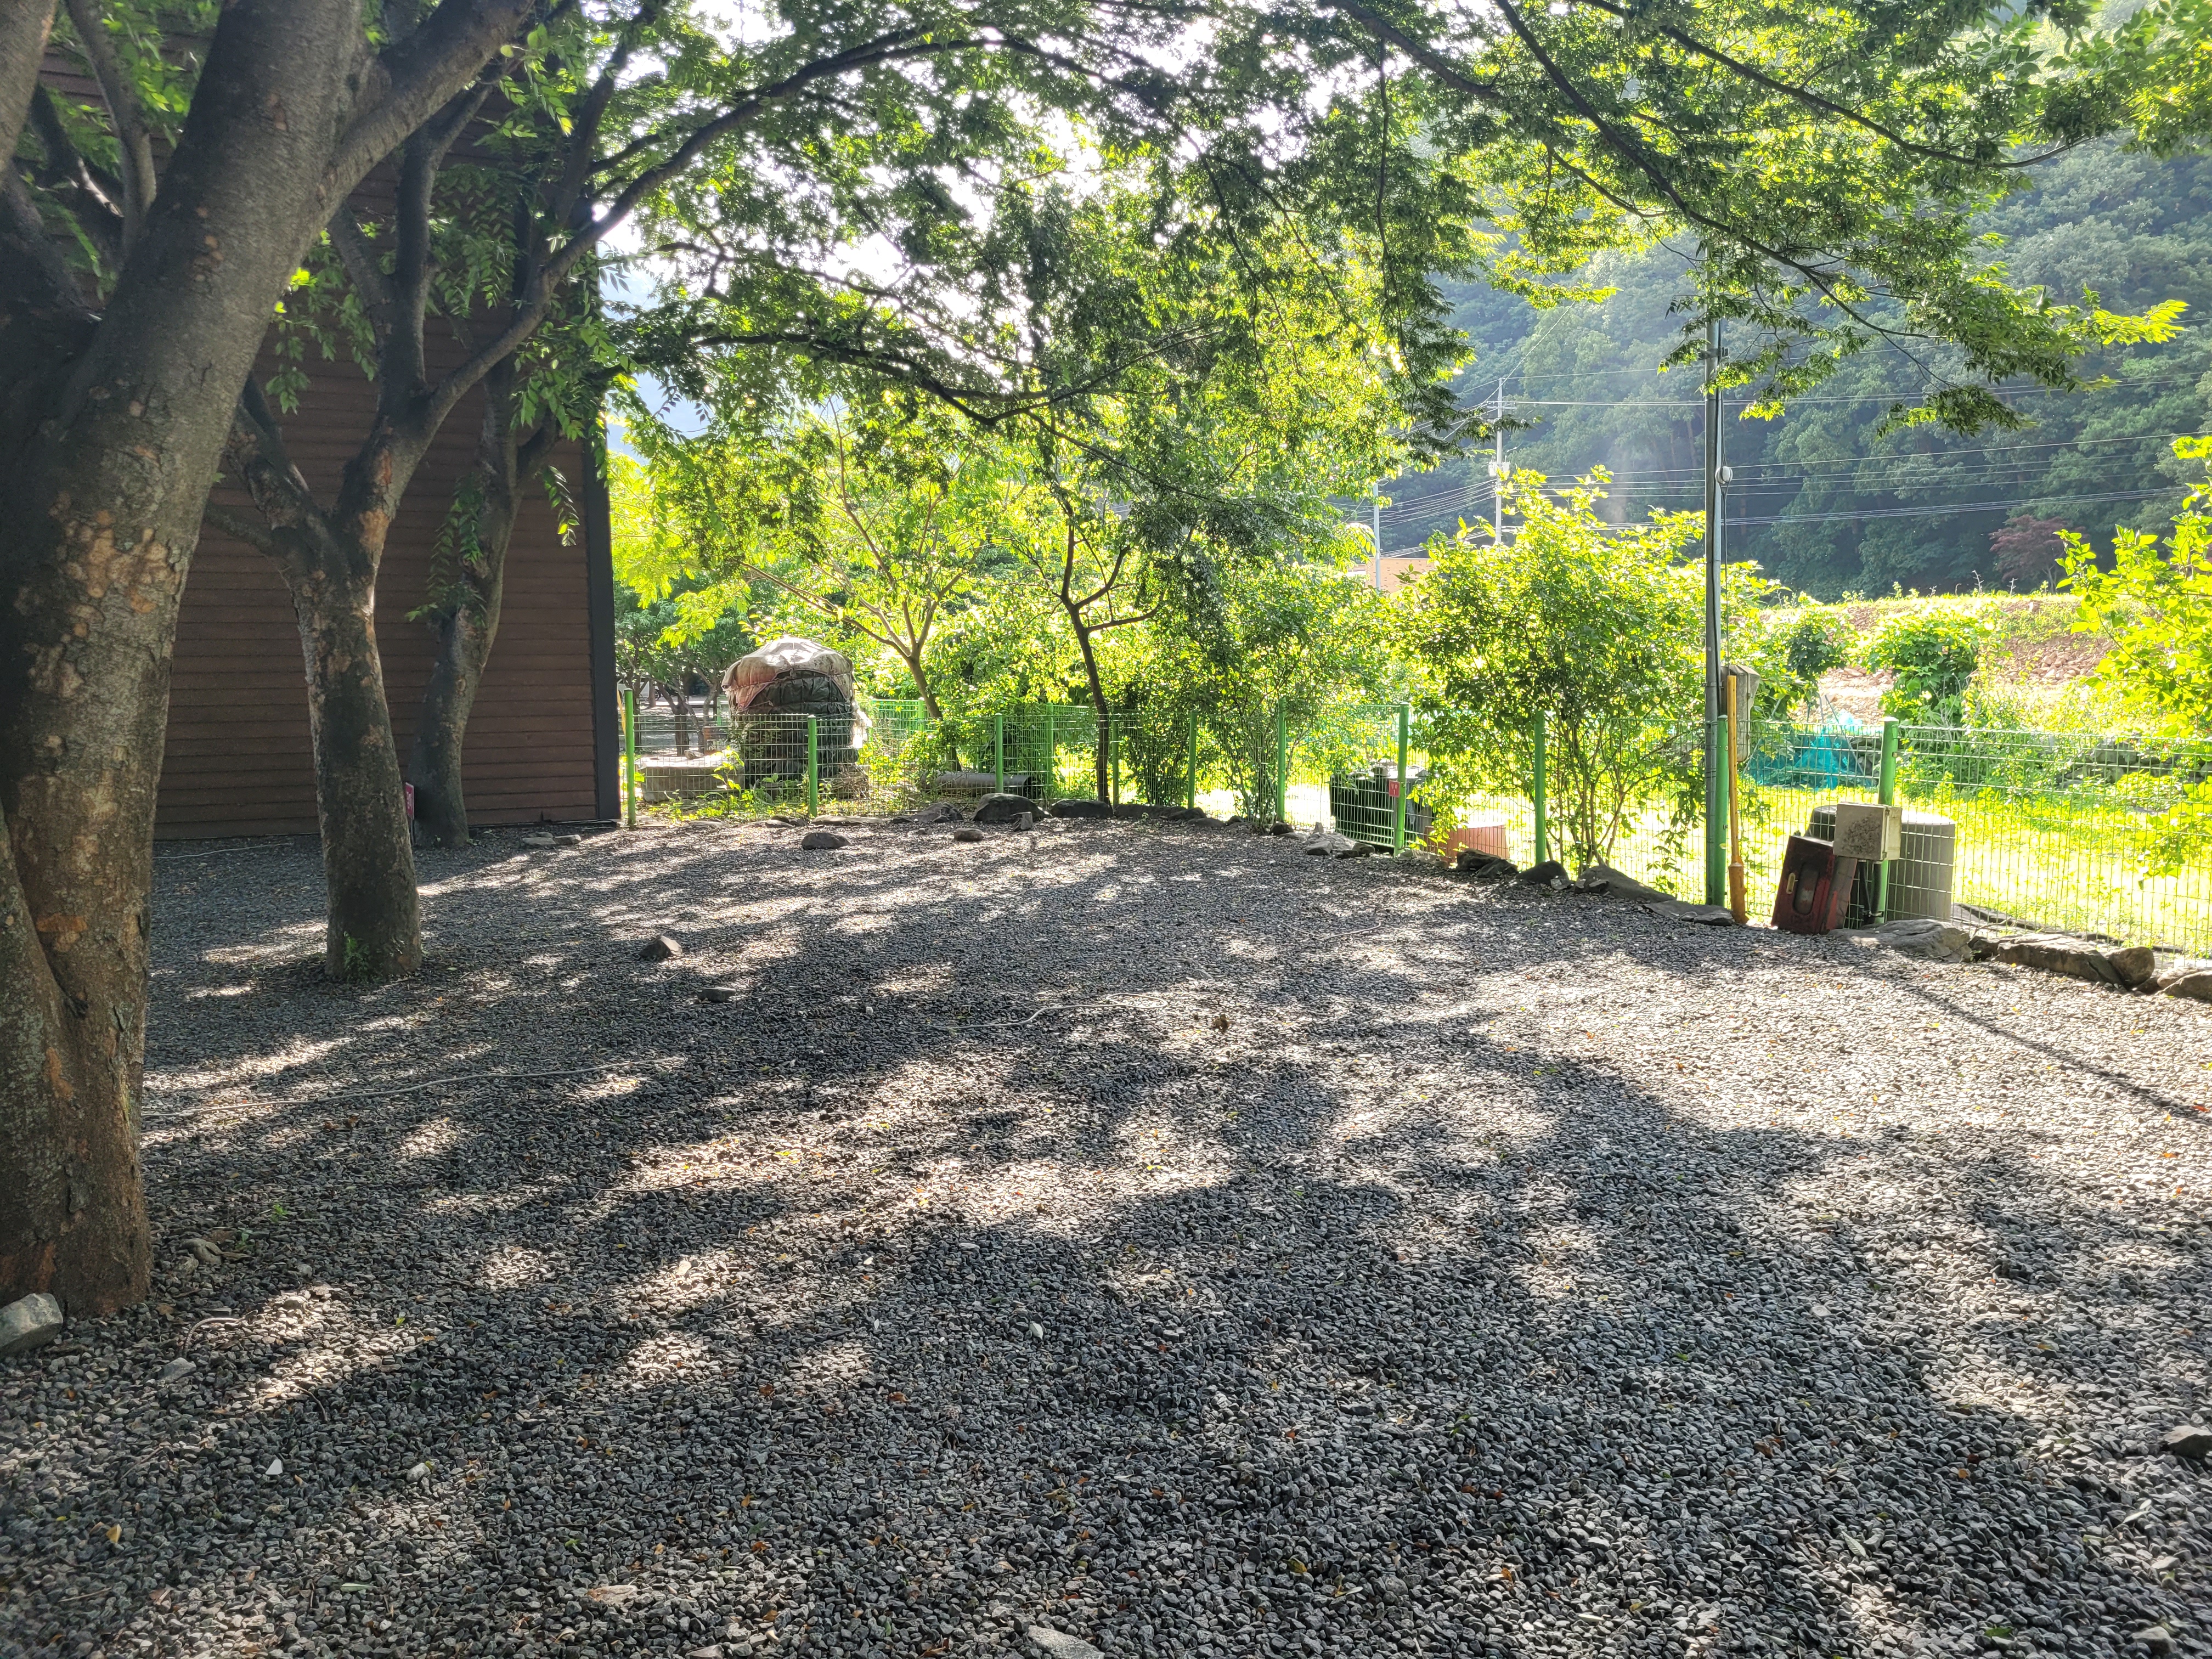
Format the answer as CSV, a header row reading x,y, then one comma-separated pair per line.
x,y
1015,1246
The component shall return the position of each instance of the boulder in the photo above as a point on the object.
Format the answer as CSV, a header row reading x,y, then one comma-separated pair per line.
x,y
2128,967
821,841
1080,806
1484,866
2190,1440
1326,845
1923,937
29,1322
1003,809
1358,849
968,832
2191,979
1550,874
1703,915
1602,877
1278,828
659,948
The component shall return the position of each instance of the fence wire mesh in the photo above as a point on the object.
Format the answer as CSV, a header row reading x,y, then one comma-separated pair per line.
x,y
2019,828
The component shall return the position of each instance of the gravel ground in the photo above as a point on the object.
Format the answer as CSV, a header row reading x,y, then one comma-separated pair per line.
x,y
1156,1235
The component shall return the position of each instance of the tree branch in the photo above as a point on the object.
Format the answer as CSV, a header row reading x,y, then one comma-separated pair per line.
x,y
134,132
415,76
91,194
900,45
1758,77
370,285
239,527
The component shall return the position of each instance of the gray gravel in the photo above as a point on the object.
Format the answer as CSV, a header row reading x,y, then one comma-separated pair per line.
x,y
1156,1236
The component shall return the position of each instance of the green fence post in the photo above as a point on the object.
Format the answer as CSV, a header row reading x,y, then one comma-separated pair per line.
x,y
1398,798
1190,760
1051,759
1282,764
1717,810
1537,794
1889,736
999,749
813,765
629,757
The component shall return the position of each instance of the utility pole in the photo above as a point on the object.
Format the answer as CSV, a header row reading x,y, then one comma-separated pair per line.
x,y
1715,792
1497,468
1378,523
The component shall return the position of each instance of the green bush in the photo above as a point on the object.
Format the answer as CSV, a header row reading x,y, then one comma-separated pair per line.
x,y
1596,626
1933,654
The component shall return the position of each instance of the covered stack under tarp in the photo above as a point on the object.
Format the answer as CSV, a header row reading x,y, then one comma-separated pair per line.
x,y
772,691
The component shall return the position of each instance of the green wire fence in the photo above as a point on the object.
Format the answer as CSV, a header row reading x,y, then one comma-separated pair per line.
x,y
2022,827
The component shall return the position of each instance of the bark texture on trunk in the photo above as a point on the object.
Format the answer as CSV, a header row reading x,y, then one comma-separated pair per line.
x,y
113,424
434,765
468,612
373,928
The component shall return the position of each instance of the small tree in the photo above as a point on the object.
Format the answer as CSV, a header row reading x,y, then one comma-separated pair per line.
x,y
2027,549
1594,627
2156,603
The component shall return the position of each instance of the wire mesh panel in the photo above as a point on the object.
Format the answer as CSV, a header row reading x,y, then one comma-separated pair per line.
x,y
2033,829
1342,772
2056,830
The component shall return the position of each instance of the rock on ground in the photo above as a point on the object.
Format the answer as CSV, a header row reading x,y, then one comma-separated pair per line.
x,y
28,1322
822,840
1005,809
1923,937
2127,967
2190,979
1423,1267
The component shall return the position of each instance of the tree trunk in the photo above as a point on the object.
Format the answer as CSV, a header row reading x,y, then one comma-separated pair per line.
x,y
433,766
468,621
921,686
112,426
373,929
1101,749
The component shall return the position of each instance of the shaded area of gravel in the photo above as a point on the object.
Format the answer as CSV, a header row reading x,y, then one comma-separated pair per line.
x,y
1164,1237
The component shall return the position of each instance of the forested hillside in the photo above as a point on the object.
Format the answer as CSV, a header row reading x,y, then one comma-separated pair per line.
x,y
1820,500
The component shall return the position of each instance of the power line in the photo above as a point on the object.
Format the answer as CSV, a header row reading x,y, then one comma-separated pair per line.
x,y
1941,512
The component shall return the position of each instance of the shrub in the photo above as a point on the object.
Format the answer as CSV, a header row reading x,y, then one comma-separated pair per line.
x,y
1933,654
1596,627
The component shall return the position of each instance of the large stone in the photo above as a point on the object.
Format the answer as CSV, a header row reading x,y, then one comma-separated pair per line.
x,y
1080,806
1485,867
1327,845
1615,883
2127,967
2190,979
968,832
1058,1645
938,811
1924,936
821,841
2190,1440
1550,874
28,1322
1703,915
1003,809
659,948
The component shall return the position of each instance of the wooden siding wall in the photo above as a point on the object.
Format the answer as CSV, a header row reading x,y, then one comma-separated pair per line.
x,y
238,759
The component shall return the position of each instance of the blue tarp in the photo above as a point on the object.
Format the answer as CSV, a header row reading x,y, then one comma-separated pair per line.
x,y
1843,750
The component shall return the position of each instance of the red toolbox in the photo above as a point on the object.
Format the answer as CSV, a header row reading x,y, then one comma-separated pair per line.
x,y
1816,887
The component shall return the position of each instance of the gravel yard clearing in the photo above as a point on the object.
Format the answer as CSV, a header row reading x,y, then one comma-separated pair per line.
x,y
1153,1236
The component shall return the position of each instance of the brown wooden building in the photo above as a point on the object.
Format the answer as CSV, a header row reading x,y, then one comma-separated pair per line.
x,y
544,737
